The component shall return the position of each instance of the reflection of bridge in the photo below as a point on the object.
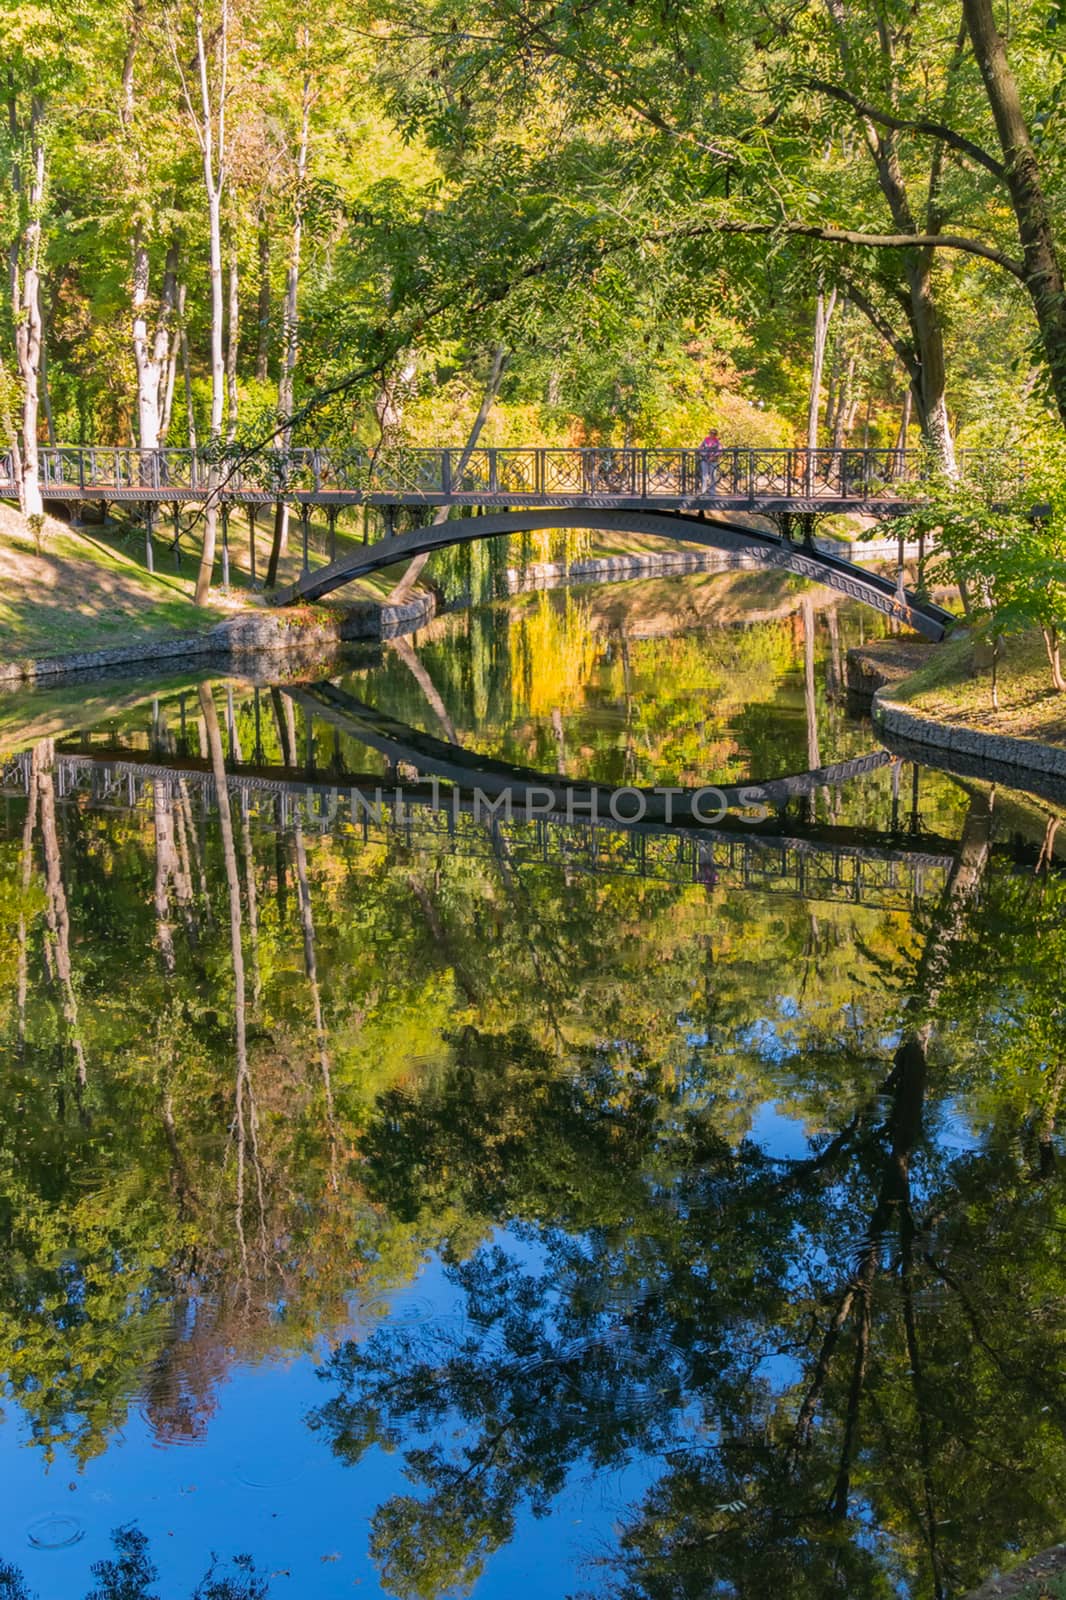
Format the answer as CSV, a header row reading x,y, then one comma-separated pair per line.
x,y
813,862
402,745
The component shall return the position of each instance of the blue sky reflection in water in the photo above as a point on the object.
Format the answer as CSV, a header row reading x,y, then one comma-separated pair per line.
x,y
425,1210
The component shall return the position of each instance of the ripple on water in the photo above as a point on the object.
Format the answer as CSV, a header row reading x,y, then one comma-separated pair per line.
x,y
609,1372
266,1472
416,1311
55,1532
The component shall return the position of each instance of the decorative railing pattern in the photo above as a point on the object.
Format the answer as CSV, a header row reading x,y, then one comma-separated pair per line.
x,y
885,876
503,475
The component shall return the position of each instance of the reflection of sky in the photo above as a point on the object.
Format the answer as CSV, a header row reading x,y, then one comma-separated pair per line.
x,y
779,1134
263,1482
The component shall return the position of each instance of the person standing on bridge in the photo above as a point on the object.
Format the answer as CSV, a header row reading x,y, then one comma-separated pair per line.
x,y
709,456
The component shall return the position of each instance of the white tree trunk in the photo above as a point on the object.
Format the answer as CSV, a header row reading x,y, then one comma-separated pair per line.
x,y
186,373
232,338
151,349
209,123
172,360
290,328
25,283
823,312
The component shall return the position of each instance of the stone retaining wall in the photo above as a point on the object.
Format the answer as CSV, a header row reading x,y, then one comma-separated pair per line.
x,y
652,564
300,634
897,721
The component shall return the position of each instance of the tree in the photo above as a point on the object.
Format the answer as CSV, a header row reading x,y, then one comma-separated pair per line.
x,y
206,105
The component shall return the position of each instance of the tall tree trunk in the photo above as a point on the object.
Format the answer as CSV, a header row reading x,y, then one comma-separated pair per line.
x,y
151,349
1044,274
823,312
844,405
186,373
209,124
46,392
835,371
488,398
218,395
290,330
904,429
232,339
930,387
24,271
171,372
929,377
262,339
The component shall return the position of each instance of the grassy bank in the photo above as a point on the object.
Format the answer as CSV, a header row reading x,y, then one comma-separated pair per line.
x,y
84,591
955,685
88,588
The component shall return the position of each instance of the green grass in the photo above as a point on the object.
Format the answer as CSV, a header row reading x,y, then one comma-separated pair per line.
x,y
955,685
85,592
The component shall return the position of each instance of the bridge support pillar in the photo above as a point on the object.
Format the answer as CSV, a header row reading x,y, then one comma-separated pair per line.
x,y
149,553
176,546
305,535
331,515
389,513
252,509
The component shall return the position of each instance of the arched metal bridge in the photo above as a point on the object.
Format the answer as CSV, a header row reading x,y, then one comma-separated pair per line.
x,y
743,545
668,493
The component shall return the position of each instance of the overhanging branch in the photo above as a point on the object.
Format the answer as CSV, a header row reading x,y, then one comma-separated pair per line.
x,y
887,119
874,241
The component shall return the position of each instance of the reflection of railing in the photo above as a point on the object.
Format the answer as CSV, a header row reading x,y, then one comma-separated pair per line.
x,y
882,876
500,476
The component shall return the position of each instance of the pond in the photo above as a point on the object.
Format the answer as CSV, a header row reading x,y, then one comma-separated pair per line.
x,y
405,1197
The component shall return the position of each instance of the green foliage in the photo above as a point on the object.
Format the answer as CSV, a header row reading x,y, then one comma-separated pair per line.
x,y
1003,542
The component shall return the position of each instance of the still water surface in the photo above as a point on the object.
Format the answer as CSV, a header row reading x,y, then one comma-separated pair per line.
x,y
427,1205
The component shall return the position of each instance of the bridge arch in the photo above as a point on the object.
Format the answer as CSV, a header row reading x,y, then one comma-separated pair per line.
x,y
749,546
579,799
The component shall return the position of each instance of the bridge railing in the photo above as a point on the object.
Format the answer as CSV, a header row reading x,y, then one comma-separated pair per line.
x,y
503,474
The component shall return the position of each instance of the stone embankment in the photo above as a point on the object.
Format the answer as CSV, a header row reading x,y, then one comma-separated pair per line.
x,y
877,673
653,564
302,634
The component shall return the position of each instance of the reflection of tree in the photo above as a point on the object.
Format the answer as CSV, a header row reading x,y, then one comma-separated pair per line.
x,y
130,1574
246,1111
844,1368
57,915
813,1403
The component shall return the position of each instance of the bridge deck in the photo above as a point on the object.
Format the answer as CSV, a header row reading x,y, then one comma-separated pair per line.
x,y
877,482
